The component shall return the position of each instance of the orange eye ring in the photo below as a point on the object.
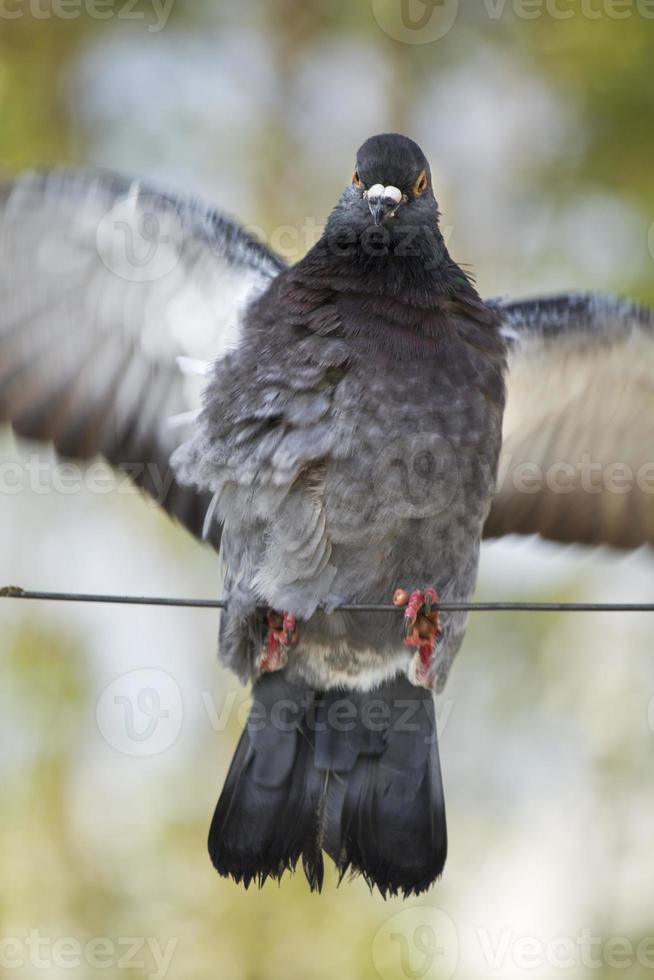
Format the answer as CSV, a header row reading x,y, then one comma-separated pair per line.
x,y
420,185
356,180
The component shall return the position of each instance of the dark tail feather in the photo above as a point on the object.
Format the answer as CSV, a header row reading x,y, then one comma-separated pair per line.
x,y
266,815
354,774
392,825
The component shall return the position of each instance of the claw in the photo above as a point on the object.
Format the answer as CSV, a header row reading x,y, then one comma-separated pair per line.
x,y
273,657
289,625
422,627
282,634
400,598
431,598
413,607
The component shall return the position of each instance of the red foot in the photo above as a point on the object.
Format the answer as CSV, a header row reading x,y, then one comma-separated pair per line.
x,y
282,634
422,627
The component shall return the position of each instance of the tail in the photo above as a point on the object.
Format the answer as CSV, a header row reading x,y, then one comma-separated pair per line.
x,y
353,774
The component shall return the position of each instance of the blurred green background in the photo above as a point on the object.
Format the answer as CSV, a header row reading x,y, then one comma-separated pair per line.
x,y
117,724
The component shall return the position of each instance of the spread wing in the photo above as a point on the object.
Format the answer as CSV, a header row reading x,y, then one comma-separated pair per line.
x,y
111,295
577,463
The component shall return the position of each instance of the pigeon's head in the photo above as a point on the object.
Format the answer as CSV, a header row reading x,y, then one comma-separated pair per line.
x,y
392,177
387,217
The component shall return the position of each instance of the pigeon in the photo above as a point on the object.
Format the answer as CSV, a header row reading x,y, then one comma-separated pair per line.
x,y
344,432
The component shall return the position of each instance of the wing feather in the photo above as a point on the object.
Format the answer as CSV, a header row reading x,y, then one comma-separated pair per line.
x,y
107,287
577,462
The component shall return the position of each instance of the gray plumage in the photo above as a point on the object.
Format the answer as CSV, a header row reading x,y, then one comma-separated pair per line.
x,y
348,444
352,441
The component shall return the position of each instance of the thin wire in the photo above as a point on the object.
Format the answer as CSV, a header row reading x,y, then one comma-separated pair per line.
x,y
15,592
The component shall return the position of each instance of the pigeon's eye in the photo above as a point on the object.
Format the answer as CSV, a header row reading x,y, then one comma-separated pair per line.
x,y
420,185
356,180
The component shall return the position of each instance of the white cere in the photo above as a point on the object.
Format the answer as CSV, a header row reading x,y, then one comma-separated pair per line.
x,y
389,193
375,192
393,194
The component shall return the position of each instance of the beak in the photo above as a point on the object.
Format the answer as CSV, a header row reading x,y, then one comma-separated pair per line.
x,y
380,209
383,202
